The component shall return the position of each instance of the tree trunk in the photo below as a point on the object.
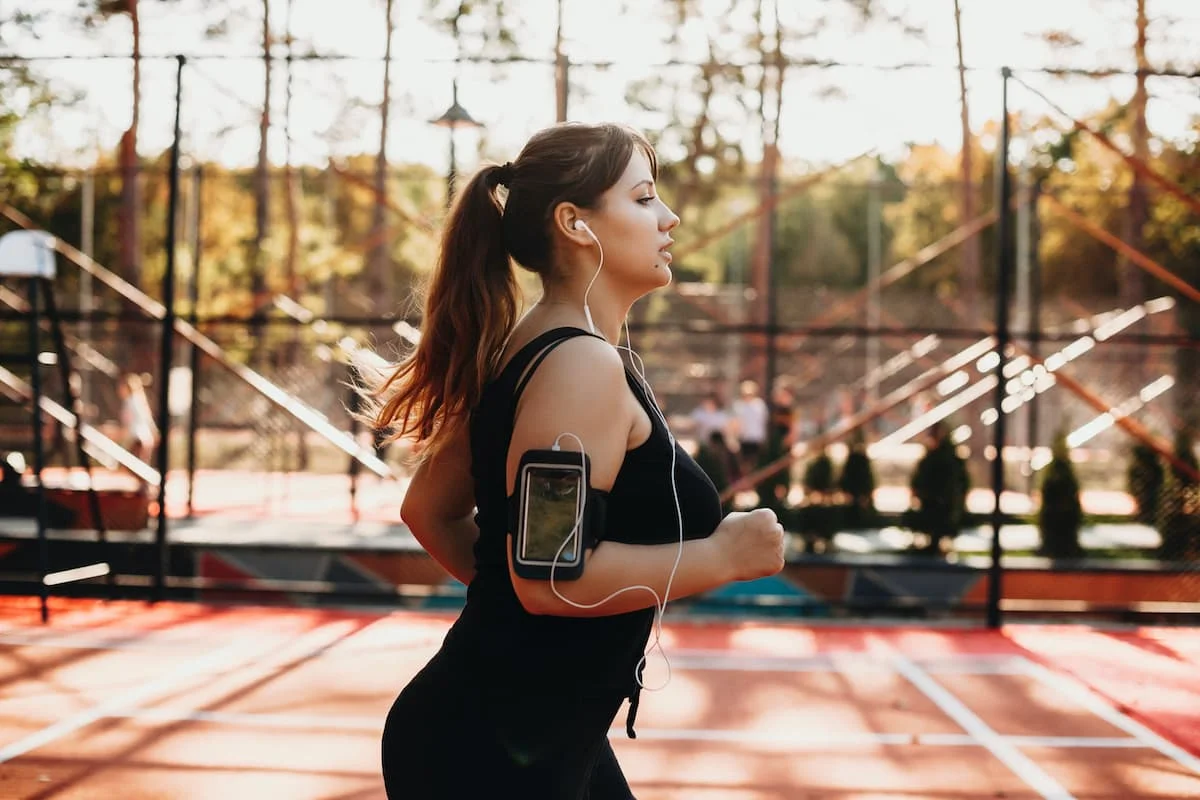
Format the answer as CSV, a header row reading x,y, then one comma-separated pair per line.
x,y
969,278
291,189
761,264
262,196
130,217
379,260
1132,280
1133,283
262,178
561,85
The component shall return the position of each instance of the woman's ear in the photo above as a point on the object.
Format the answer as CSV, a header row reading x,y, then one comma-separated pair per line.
x,y
567,219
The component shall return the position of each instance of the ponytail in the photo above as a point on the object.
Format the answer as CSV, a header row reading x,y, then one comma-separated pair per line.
x,y
470,309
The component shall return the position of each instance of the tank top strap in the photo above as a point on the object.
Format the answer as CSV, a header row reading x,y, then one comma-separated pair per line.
x,y
519,370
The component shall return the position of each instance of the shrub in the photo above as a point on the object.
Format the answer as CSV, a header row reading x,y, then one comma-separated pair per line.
x,y
818,476
858,479
1061,514
1144,479
773,491
1178,519
939,486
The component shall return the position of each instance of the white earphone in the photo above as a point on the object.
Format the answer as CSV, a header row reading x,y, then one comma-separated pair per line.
x,y
580,225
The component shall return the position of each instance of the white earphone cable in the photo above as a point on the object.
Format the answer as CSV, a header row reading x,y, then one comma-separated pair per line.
x,y
660,603
587,311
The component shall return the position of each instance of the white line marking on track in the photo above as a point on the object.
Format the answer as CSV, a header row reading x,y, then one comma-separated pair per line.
x,y
130,641
1006,752
786,740
839,661
230,657
1091,701
289,721
221,659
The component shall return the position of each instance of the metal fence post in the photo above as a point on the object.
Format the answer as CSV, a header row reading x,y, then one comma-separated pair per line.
x,y
1004,263
168,342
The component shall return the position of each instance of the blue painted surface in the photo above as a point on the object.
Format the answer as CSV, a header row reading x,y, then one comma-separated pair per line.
x,y
756,595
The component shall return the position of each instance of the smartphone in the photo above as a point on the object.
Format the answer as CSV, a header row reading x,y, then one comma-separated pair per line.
x,y
552,488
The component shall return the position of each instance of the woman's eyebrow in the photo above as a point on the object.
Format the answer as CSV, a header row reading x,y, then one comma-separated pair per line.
x,y
647,181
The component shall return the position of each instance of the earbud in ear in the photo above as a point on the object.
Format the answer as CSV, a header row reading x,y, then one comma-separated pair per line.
x,y
580,225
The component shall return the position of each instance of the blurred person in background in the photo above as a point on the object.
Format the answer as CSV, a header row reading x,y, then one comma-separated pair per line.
x,y
750,419
139,431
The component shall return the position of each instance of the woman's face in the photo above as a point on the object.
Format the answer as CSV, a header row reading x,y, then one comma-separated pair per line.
x,y
634,227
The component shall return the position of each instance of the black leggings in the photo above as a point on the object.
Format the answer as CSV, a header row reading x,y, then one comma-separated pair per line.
x,y
442,741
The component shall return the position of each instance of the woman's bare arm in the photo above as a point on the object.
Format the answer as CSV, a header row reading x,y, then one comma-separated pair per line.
x,y
439,507
614,566
580,388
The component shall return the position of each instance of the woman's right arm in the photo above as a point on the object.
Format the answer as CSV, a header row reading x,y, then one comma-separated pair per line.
x,y
580,389
745,546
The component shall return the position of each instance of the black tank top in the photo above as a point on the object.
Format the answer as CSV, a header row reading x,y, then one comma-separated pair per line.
x,y
541,657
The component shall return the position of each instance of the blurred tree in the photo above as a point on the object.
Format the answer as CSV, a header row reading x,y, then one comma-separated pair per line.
x,y
291,187
708,108
939,486
714,109
1172,236
1144,480
857,479
1060,515
27,95
927,211
97,12
378,267
260,299
822,235
25,91
1085,176
818,479
1133,279
1158,34
1179,505
971,253
482,28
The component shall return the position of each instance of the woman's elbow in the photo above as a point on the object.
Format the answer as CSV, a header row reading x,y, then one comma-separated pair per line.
x,y
415,518
535,596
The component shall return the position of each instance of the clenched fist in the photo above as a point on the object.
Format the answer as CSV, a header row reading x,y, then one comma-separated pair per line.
x,y
752,543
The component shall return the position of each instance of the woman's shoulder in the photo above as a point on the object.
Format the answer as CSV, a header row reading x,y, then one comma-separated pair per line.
x,y
580,366
526,343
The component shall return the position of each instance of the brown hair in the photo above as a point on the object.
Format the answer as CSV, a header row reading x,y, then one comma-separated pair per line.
x,y
471,301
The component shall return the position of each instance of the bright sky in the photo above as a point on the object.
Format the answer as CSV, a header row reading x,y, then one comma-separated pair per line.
x,y
333,108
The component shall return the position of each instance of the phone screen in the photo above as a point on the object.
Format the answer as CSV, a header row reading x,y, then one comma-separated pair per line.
x,y
551,513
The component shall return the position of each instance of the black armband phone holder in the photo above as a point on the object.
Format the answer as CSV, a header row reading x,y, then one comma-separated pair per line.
x,y
555,515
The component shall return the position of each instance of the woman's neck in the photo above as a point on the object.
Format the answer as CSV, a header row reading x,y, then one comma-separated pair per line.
x,y
607,316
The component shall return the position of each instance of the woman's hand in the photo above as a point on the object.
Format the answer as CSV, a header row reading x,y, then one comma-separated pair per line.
x,y
752,543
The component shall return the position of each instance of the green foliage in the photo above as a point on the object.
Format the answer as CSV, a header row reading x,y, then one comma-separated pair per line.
x,y
1144,480
488,28
939,486
1061,514
24,92
1179,505
929,210
857,479
818,475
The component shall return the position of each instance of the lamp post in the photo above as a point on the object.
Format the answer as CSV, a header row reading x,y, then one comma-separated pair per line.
x,y
453,118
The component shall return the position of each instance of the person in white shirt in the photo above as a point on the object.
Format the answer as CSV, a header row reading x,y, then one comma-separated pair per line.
x,y
709,418
750,419
138,428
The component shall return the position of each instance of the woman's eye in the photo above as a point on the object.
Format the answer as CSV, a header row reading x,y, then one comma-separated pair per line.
x,y
647,200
